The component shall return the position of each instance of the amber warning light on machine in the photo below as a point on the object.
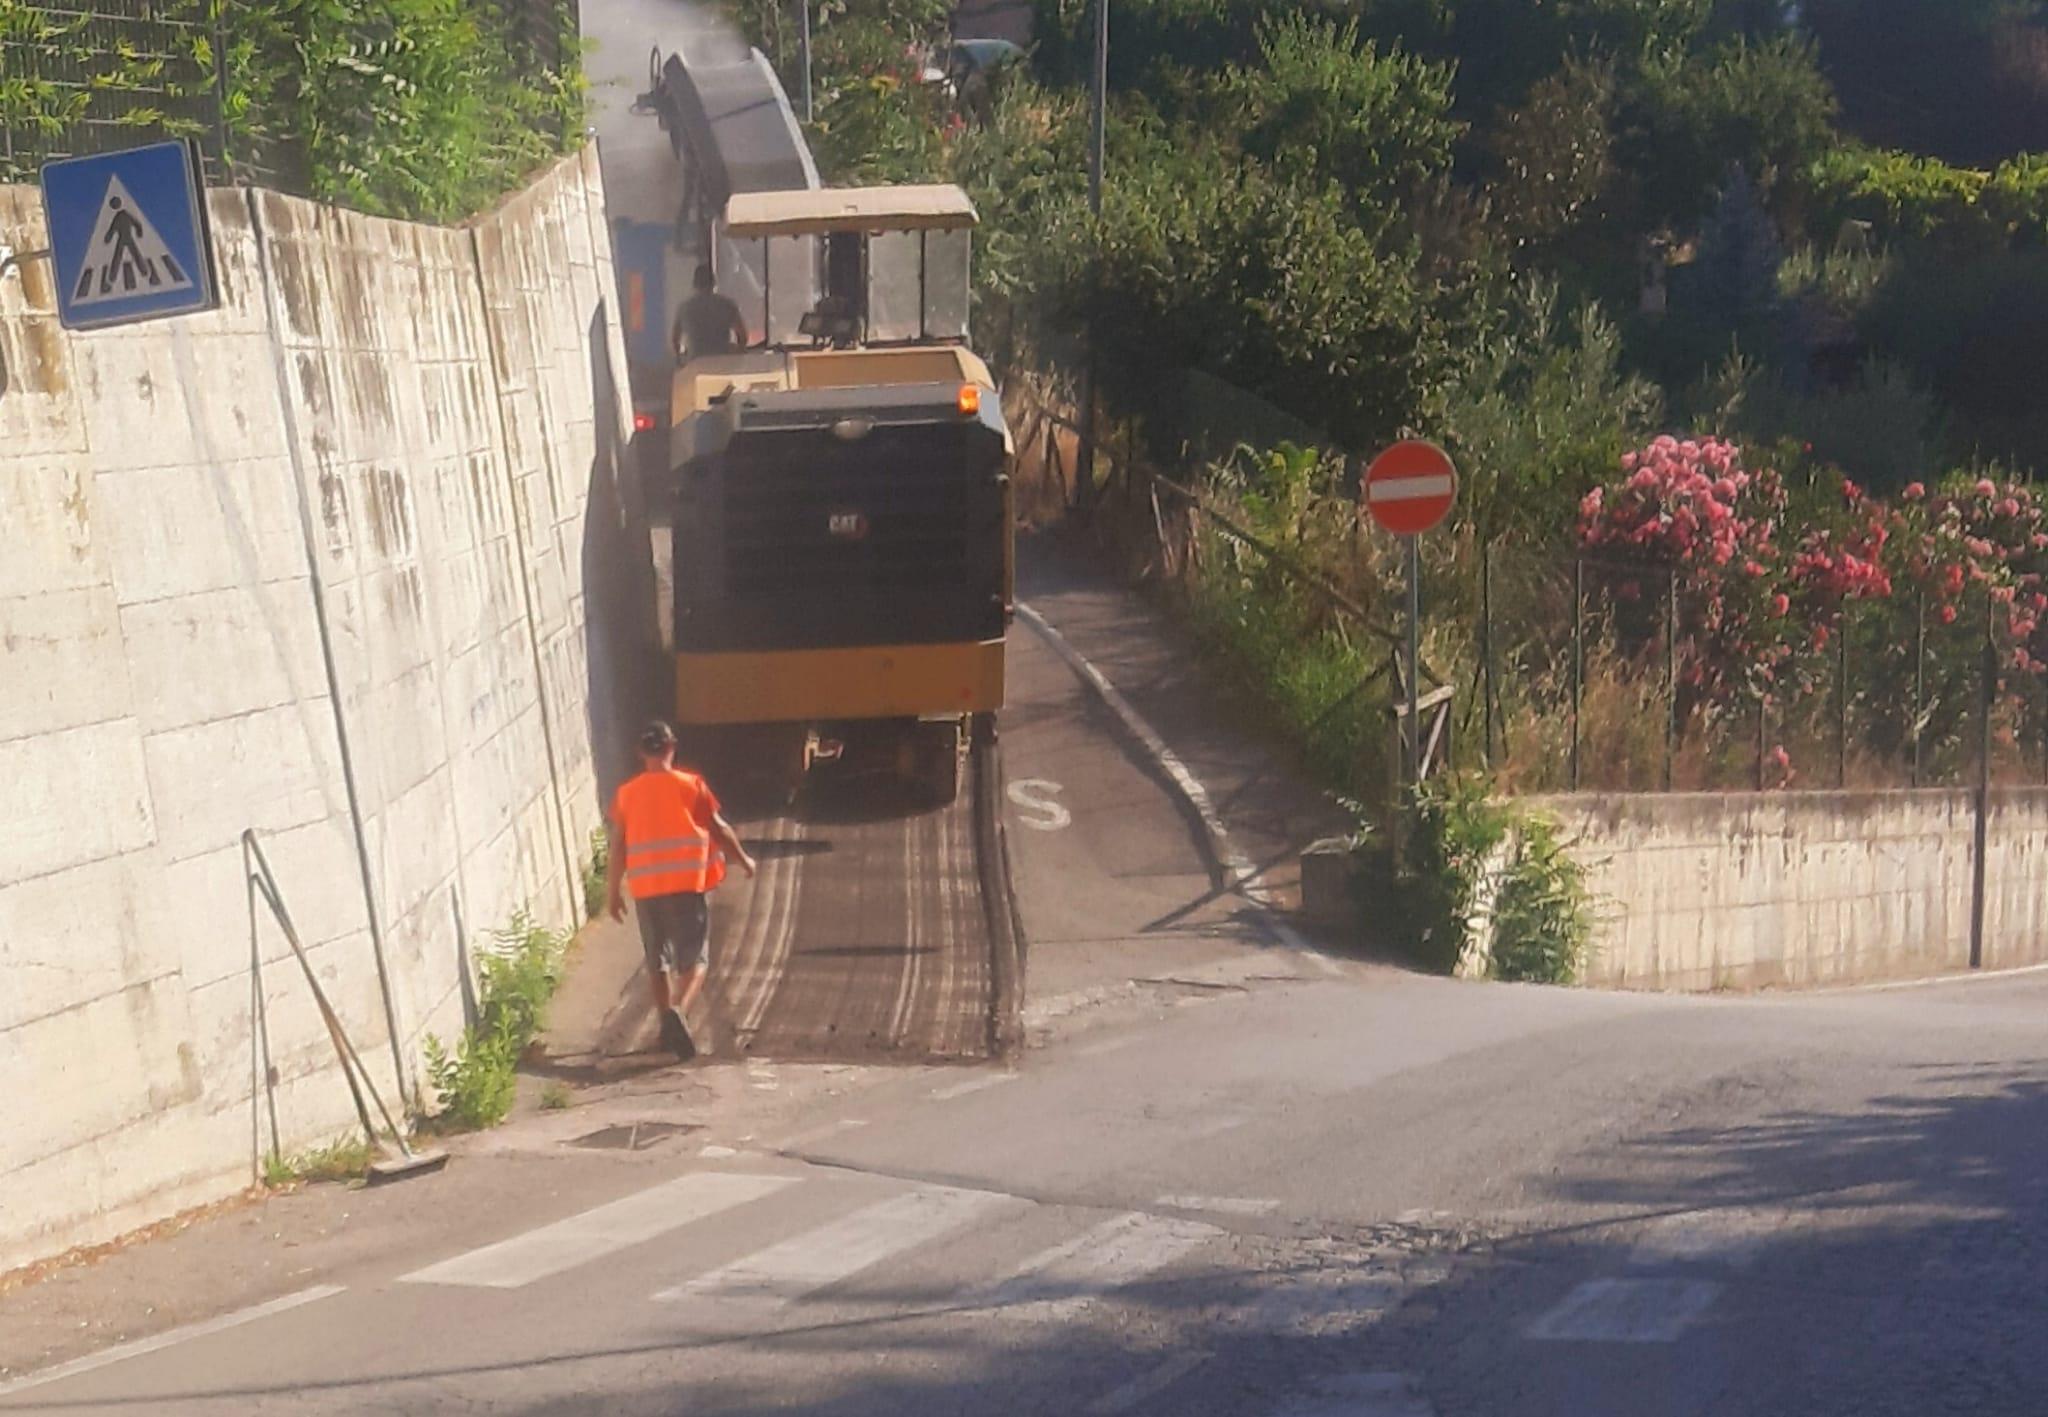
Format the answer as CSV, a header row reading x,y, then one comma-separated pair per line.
x,y
970,399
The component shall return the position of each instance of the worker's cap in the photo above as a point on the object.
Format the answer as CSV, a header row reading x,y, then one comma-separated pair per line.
x,y
657,737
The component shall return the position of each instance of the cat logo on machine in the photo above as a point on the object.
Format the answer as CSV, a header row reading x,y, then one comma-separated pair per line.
x,y
847,526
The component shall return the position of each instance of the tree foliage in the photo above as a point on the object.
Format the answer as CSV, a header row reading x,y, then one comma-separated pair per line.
x,y
1320,106
1218,263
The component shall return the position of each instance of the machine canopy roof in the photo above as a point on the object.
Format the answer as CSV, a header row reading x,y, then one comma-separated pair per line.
x,y
939,207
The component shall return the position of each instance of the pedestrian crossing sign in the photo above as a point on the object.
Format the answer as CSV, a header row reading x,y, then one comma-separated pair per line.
x,y
128,235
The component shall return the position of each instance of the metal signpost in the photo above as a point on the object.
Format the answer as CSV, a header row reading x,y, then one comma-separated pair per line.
x,y
1409,489
128,236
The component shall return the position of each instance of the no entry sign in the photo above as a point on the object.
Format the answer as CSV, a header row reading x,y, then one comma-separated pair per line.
x,y
1410,487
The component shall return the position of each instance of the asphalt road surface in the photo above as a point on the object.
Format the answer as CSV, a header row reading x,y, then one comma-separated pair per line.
x,y
1230,1176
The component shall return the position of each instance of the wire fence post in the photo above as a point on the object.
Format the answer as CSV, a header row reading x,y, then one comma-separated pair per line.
x,y
1486,669
1919,675
1842,697
1670,674
1763,734
1987,689
1578,656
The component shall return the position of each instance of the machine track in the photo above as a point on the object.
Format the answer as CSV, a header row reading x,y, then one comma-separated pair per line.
x,y
875,931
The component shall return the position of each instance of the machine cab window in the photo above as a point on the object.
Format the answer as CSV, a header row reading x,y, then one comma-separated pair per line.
x,y
850,267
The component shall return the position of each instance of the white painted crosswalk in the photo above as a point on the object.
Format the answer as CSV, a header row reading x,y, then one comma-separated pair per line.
x,y
595,1234
856,1228
817,1259
837,1245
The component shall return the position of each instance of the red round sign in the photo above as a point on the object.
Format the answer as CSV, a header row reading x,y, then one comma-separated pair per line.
x,y
1410,487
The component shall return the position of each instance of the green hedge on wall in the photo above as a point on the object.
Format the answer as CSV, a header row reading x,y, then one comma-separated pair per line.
x,y
417,108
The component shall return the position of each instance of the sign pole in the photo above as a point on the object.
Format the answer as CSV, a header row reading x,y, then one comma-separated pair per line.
x,y
1414,738
1408,490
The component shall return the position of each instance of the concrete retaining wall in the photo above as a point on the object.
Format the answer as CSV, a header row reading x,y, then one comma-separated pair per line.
x,y
392,428
1740,890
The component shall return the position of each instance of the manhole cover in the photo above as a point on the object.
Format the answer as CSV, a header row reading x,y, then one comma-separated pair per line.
x,y
633,1136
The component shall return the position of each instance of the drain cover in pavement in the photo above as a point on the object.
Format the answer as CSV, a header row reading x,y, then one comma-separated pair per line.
x,y
633,1136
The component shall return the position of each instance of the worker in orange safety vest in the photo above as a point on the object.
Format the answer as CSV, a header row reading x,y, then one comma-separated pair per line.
x,y
669,846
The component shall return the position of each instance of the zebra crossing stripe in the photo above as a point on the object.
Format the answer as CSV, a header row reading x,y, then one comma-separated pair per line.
x,y
1060,1282
519,1261
818,1258
1146,1384
1359,1395
1626,1311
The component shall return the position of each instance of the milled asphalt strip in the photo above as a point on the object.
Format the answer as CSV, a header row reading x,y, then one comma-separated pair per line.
x,y
122,1352
1241,874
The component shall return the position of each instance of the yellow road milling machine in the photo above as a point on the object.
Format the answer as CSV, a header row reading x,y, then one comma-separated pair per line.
x,y
837,576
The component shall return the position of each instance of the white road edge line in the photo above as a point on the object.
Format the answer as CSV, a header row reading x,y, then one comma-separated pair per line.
x,y
1970,978
1238,868
122,1352
1221,1205
962,1089
822,1133
1123,1399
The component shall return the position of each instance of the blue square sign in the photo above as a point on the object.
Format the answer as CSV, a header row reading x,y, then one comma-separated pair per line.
x,y
128,236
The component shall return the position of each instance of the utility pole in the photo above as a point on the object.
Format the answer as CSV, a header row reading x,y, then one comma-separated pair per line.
x,y
1084,473
1099,108
803,47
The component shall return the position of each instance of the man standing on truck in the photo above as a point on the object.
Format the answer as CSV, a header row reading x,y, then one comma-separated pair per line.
x,y
707,323
669,846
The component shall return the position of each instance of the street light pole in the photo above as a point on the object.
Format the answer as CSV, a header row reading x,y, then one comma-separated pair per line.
x,y
1084,472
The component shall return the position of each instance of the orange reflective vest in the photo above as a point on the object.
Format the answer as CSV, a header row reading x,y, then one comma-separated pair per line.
x,y
666,820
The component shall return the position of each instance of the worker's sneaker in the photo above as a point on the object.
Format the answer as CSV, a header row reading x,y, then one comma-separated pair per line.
x,y
675,1036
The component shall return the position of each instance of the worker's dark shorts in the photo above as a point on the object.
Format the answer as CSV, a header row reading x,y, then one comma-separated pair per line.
x,y
676,930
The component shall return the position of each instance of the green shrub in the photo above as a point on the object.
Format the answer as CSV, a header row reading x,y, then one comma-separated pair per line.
x,y
476,1083
1455,825
477,1080
1905,196
1541,915
594,874
344,1159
